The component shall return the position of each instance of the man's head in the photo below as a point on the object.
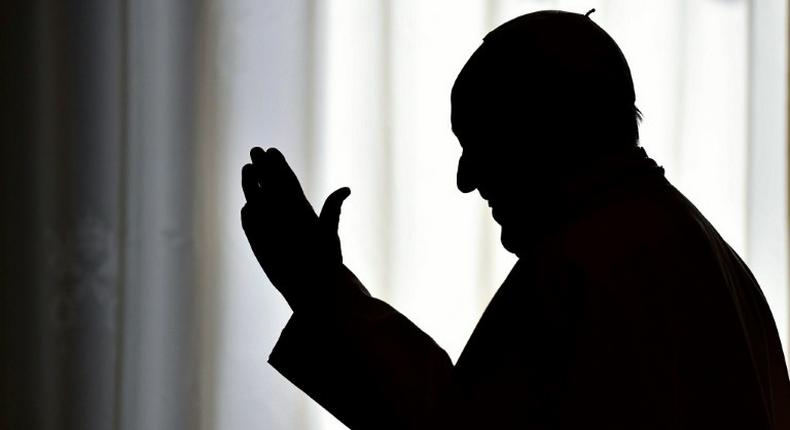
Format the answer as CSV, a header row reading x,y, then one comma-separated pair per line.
x,y
544,93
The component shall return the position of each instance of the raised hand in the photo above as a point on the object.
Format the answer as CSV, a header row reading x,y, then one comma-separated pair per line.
x,y
298,250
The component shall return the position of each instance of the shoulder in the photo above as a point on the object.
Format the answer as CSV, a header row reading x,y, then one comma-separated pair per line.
x,y
645,236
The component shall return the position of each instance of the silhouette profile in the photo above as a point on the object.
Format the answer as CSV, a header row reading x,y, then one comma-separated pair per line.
x,y
625,310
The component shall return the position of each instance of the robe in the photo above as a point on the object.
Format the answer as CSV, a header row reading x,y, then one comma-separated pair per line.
x,y
627,311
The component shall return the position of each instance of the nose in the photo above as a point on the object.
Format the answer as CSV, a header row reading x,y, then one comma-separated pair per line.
x,y
466,178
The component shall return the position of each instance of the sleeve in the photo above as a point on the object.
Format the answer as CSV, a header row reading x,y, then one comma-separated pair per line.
x,y
368,364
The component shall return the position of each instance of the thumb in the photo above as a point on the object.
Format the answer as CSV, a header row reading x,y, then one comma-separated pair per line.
x,y
330,212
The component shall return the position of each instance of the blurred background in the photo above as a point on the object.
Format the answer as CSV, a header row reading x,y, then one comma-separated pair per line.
x,y
130,298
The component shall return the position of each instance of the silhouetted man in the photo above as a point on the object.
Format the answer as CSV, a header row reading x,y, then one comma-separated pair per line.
x,y
625,310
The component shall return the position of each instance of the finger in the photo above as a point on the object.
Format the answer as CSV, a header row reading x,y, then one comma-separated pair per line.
x,y
259,162
285,186
276,178
256,154
280,173
330,212
251,222
250,183
255,222
247,222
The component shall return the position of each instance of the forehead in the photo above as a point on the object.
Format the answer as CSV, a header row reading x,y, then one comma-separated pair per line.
x,y
477,119
493,108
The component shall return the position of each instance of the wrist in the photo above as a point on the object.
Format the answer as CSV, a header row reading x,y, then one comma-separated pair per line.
x,y
336,289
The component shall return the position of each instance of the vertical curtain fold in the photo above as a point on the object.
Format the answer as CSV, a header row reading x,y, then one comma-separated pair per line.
x,y
65,236
158,383
767,177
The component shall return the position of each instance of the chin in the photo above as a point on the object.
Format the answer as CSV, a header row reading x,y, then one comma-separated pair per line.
x,y
508,236
509,241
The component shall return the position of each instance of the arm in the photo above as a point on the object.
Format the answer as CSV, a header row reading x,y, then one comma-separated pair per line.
x,y
370,366
356,356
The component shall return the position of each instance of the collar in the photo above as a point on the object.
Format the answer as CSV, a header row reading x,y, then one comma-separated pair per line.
x,y
596,183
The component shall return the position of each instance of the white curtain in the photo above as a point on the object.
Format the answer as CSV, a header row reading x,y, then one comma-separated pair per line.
x,y
356,93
